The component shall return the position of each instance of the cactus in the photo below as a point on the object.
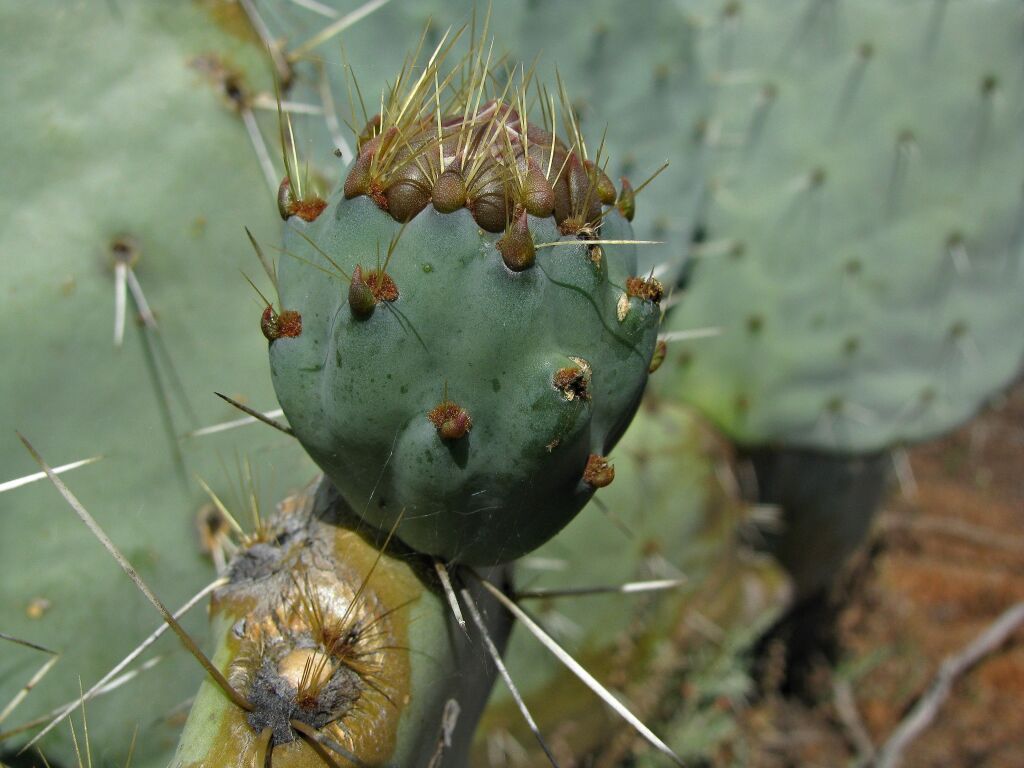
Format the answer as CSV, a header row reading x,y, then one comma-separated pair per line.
x,y
467,364
127,90
670,515
865,261
130,164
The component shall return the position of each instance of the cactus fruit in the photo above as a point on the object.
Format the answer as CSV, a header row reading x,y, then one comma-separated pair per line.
x,y
332,639
475,336
865,260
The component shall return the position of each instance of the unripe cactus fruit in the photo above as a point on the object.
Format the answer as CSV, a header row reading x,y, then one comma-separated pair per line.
x,y
447,400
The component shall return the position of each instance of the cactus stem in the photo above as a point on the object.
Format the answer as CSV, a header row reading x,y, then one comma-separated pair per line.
x,y
495,655
576,669
94,527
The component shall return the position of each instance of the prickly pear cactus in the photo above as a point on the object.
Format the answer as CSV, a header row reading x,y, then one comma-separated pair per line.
x,y
474,334
866,245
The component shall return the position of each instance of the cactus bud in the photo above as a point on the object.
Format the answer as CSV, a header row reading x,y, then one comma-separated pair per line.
x,y
516,245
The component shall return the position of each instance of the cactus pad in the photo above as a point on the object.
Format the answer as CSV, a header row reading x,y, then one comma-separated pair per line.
x,y
865,260
475,337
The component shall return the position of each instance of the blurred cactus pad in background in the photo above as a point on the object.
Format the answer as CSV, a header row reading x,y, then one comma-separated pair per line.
x,y
830,260
865,220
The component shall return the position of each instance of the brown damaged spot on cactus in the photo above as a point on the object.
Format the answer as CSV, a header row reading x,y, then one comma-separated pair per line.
x,y
598,472
573,381
317,637
660,350
451,420
275,325
647,289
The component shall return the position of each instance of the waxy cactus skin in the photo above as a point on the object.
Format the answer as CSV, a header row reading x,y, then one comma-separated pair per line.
x,y
466,330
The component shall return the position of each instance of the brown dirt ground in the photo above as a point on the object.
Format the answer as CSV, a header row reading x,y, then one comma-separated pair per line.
x,y
944,563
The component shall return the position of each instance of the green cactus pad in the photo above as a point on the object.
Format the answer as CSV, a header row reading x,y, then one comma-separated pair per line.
x,y
467,332
866,245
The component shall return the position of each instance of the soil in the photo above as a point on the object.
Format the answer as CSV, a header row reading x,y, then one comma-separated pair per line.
x,y
946,559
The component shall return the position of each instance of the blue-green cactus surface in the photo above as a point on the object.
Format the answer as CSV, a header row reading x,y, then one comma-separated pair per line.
x,y
865,247
467,330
